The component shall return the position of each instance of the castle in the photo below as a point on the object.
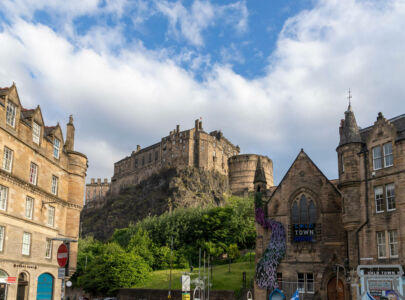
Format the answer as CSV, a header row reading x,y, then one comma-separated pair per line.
x,y
190,148
336,239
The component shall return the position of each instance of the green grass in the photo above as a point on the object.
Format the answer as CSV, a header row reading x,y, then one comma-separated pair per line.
x,y
222,279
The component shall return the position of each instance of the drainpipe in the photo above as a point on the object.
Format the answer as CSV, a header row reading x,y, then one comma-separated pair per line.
x,y
366,221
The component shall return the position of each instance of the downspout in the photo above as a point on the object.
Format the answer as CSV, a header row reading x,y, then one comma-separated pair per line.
x,y
366,221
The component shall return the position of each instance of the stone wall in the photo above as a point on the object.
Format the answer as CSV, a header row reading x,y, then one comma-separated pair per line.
x,y
154,294
242,172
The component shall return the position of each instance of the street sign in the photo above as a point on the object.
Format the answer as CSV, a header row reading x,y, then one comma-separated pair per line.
x,y
11,279
61,273
62,255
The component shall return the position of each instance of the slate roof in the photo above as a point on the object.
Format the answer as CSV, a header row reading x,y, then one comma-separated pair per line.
x,y
398,122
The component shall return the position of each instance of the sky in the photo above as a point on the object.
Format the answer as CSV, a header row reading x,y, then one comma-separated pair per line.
x,y
272,75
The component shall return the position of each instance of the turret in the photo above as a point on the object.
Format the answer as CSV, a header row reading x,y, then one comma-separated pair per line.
x,y
349,131
260,178
70,135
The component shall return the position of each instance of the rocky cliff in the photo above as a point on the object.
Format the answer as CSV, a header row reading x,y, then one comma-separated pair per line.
x,y
188,187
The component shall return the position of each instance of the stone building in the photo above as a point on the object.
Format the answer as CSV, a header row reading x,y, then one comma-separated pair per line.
x,y
343,238
41,196
193,147
96,192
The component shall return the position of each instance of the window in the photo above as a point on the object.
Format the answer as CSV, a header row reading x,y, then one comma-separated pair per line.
x,y
388,202
48,249
377,161
390,196
33,173
393,243
11,112
7,159
29,206
26,243
302,212
388,159
342,163
381,244
280,280
2,230
56,144
51,216
383,158
156,156
36,132
305,282
54,188
3,197
379,199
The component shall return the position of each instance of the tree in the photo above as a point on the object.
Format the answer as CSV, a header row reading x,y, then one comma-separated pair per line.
x,y
113,269
233,253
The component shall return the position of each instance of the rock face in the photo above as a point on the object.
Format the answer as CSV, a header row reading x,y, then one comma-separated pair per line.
x,y
186,187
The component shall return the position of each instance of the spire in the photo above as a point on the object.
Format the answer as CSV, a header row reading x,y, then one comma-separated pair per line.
x,y
260,177
349,131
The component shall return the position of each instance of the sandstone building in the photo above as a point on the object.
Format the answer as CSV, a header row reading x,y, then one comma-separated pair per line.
x,y
193,147
342,238
41,196
96,192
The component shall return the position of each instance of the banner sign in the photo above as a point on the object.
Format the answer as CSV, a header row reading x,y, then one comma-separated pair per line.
x,y
303,232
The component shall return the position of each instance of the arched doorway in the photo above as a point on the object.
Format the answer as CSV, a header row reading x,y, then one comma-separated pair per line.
x,y
336,291
22,288
3,285
45,287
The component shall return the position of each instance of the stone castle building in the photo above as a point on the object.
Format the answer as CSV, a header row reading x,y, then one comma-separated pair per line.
x,y
189,148
96,192
41,196
344,239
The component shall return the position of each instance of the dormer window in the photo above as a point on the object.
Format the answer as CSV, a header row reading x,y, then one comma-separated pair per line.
x,y
56,145
382,156
11,112
36,132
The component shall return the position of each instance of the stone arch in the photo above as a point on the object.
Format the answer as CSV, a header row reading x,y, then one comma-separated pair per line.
x,y
23,286
304,202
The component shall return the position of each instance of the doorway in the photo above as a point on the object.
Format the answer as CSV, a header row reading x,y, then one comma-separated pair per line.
x,y
22,288
45,287
336,290
3,285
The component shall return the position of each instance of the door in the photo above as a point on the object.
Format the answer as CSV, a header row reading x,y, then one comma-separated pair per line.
x,y
336,290
3,285
45,287
22,288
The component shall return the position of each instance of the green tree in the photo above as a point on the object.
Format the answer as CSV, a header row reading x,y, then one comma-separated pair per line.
x,y
233,253
113,269
141,244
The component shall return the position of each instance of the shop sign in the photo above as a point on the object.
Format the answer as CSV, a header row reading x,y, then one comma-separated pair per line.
x,y
11,279
378,287
378,271
303,232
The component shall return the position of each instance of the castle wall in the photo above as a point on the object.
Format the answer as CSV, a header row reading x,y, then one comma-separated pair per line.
x,y
242,171
193,147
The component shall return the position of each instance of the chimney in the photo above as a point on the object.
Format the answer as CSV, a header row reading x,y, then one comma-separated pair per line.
x,y
92,180
196,125
70,134
138,147
98,180
105,180
200,125
177,128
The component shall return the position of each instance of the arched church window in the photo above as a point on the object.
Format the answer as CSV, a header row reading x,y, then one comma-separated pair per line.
x,y
303,211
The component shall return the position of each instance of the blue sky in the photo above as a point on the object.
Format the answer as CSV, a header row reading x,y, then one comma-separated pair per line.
x,y
272,75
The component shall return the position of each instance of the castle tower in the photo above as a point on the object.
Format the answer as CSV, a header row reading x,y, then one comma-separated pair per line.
x,y
351,169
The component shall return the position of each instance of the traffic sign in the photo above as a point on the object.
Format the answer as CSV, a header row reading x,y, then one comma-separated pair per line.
x,y
62,255
61,273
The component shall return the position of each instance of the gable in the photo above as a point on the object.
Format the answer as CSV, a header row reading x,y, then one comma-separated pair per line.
x,y
304,178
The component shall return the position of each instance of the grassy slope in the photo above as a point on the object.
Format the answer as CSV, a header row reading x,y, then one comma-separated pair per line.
x,y
223,280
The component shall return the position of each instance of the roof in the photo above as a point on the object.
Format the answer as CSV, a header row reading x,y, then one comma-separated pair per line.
x,y
398,122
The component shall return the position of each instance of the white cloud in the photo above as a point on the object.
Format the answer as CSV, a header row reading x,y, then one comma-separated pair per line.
x,y
136,96
190,23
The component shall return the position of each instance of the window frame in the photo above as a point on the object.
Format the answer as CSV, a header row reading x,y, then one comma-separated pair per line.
x,y
305,283
5,198
31,210
8,156
386,155
51,216
48,248
380,158
56,148
11,113
382,200
2,237
33,177
54,185
393,243
391,198
36,133
26,245
383,244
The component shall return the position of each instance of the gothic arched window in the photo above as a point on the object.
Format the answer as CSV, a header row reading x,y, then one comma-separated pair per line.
x,y
303,211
